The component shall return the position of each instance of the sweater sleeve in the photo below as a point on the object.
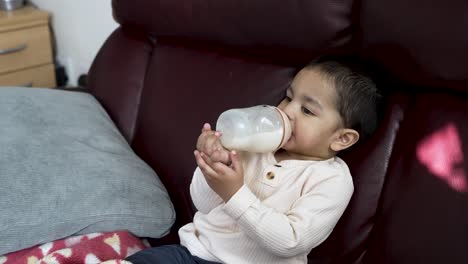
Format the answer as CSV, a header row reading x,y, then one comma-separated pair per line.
x,y
307,224
203,197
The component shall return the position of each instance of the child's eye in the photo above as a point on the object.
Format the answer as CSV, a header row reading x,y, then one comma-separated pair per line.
x,y
306,111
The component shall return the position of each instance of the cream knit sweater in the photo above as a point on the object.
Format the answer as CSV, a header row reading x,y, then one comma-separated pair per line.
x,y
281,213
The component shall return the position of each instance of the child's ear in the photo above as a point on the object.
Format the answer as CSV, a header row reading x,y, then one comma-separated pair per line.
x,y
344,139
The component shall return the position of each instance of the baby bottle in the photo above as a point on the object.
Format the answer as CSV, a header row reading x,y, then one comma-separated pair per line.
x,y
261,128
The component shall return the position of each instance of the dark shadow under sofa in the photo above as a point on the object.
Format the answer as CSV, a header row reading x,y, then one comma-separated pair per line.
x,y
173,65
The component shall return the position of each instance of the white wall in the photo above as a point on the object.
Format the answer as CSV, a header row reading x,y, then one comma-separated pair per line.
x,y
80,28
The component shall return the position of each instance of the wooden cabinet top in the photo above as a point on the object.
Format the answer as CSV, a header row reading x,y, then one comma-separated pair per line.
x,y
27,16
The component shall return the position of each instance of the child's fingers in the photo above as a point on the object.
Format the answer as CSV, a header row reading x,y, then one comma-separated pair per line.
x,y
207,159
221,168
204,167
211,145
220,156
202,139
217,166
216,156
236,163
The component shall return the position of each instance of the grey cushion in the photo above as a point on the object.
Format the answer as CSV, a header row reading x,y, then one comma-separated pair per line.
x,y
65,169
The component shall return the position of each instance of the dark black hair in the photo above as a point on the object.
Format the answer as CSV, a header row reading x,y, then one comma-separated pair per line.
x,y
357,95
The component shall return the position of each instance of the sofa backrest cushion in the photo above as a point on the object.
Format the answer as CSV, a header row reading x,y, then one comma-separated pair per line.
x,y
422,43
291,33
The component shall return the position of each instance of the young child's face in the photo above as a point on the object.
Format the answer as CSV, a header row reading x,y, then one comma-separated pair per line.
x,y
310,105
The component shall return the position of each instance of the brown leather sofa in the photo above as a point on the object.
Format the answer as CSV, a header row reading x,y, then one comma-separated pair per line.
x,y
173,65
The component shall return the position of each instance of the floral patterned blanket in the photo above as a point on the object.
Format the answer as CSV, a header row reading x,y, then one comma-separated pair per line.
x,y
108,248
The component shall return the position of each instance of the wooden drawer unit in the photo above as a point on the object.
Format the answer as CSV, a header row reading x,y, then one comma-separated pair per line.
x,y
42,76
25,49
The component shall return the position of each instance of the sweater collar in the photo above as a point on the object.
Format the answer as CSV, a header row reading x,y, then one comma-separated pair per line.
x,y
294,163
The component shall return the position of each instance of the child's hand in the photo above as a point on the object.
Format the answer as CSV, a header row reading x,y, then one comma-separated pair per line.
x,y
209,143
224,180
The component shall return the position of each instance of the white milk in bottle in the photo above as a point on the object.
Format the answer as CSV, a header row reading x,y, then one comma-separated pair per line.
x,y
261,128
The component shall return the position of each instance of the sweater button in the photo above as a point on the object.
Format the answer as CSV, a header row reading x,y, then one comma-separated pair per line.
x,y
270,175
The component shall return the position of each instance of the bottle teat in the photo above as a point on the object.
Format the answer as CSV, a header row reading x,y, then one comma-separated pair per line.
x,y
260,128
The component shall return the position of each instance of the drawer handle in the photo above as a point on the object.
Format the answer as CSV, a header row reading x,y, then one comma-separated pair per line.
x,y
13,50
29,84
